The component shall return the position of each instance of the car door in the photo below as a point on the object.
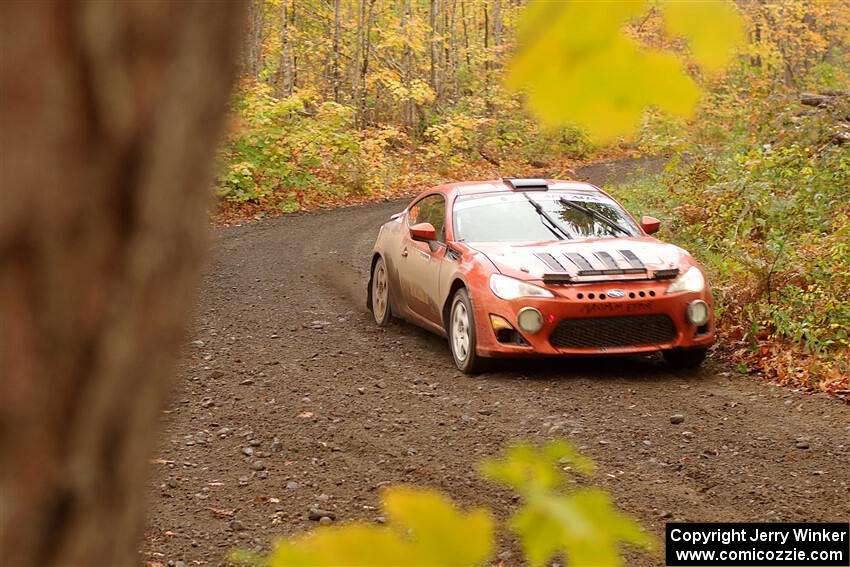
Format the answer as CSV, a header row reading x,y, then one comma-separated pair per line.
x,y
420,262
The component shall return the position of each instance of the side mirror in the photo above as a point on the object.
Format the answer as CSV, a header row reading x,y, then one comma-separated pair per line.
x,y
650,225
424,232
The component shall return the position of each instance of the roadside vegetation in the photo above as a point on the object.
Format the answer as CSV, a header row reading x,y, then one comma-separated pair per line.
x,y
345,103
767,212
758,188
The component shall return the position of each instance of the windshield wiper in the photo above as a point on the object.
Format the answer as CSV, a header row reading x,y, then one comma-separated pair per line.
x,y
555,228
598,216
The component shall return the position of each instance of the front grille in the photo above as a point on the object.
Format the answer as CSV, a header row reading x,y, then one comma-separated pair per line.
x,y
632,330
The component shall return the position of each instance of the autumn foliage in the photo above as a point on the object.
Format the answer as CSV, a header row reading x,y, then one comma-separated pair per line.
x,y
345,102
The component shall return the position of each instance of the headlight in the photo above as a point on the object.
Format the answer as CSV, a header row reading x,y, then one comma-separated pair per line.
x,y
510,288
693,281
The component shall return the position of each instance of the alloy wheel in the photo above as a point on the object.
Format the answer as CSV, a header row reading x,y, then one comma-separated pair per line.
x,y
460,331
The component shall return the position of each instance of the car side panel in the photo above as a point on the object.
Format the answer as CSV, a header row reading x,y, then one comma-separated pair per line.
x,y
419,272
388,245
471,269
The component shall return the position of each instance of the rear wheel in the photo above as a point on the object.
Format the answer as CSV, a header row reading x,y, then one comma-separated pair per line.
x,y
680,358
462,335
380,292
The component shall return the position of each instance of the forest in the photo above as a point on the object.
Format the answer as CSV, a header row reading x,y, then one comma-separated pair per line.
x,y
194,367
343,102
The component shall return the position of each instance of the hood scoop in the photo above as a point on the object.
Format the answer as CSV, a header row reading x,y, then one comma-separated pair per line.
x,y
608,267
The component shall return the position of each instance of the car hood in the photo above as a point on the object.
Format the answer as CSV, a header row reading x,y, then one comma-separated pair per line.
x,y
529,261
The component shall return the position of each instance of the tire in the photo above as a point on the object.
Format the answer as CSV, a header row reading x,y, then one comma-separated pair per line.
x,y
379,293
462,334
681,359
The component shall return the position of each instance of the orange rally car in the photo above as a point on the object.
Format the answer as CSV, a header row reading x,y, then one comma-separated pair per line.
x,y
535,267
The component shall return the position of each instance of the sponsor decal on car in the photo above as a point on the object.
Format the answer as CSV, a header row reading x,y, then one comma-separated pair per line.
x,y
616,307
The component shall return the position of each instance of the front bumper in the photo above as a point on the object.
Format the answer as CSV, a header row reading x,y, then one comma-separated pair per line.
x,y
641,302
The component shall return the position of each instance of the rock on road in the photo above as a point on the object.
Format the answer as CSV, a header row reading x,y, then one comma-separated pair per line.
x,y
291,404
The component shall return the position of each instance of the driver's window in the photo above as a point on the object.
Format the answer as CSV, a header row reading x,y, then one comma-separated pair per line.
x,y
430,209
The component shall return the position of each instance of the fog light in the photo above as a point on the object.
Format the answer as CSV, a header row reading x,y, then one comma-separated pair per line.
x,y
698,312
529,319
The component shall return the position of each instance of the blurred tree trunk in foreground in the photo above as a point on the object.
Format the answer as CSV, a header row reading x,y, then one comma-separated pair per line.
x,y
108,123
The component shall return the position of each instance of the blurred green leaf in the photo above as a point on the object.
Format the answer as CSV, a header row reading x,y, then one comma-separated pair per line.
x,y
525,467
583,524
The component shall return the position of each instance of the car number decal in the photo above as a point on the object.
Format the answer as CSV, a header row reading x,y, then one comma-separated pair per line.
x,y
616,307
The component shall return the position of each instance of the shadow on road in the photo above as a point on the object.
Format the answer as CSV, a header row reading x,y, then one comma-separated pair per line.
x,y
645,368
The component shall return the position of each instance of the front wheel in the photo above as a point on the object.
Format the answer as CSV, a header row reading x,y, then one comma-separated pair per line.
x,y
462,335
679,358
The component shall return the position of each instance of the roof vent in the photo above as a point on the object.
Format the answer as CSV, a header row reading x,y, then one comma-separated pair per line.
x,y
517,184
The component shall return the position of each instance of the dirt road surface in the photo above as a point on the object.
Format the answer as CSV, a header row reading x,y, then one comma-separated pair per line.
x,y
289,397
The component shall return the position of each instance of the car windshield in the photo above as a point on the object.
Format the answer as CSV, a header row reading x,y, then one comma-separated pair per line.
x,y
529,217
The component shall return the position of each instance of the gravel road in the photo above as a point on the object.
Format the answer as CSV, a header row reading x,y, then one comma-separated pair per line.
x,y
290,398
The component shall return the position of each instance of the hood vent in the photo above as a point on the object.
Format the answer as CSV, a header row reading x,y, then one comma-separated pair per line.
x,y
606,259
585,268
610,265
551,262
579,261
632,259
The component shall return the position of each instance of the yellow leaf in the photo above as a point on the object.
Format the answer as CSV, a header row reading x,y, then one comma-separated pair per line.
x,y
584,525
425,529
440,534
714,29
577,67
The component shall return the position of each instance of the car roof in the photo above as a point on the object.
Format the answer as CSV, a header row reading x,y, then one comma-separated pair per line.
x,y
462,188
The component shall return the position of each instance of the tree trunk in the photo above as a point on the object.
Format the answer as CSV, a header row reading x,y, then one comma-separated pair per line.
x,y
355,62
432,21
364,69
497,29
335,69
285,72
104,183
465,34
407,62
293,54
486,34
488,103
252,51
449,46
